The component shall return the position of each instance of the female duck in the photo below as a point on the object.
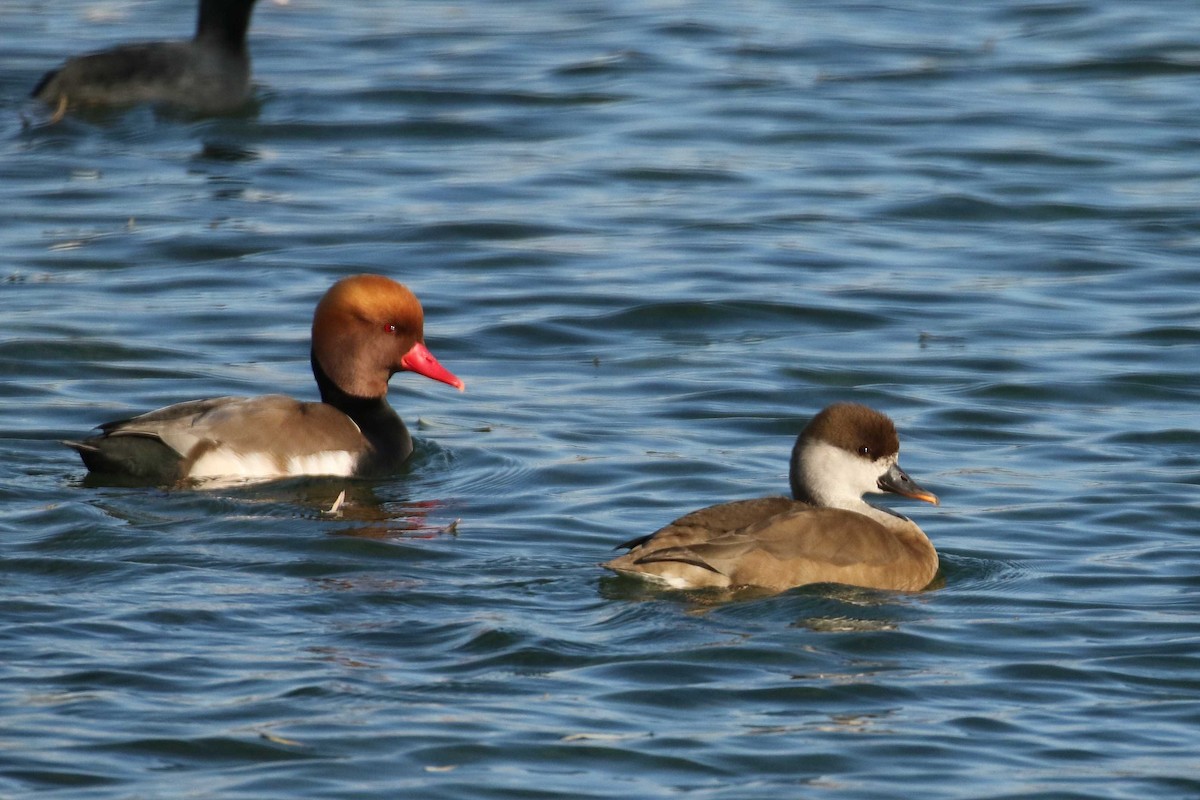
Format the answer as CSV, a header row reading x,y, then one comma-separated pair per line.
x,y
825,533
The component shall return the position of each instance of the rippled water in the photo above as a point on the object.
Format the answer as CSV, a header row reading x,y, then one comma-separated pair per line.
x,y
653,238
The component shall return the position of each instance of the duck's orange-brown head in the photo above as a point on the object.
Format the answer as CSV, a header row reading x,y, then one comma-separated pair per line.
x,y
367,328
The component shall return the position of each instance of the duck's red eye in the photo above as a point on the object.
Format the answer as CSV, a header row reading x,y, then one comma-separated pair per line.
x,y
389,328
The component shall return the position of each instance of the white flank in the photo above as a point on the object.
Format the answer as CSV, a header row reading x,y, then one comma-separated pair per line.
x,y
228,464
327,462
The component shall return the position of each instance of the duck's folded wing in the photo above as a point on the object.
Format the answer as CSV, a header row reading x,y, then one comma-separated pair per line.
x,y
715,520
246,425
726,517
788,547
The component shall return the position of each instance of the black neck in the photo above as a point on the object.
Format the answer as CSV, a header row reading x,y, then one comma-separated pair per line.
x,y
382,426
224,22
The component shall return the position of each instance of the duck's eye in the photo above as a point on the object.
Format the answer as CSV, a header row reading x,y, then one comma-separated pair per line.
x,y
389,328
864,451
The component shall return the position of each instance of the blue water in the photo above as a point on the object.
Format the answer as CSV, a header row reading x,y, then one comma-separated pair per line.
x,y
653,238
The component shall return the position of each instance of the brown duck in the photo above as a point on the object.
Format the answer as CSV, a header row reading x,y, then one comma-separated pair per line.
x,y
825,533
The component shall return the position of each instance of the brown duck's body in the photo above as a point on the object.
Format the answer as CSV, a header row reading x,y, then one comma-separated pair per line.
x,y
829,536
783,544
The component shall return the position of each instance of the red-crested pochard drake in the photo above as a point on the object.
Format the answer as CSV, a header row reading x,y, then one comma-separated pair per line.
x,y
210,73
824,533
365,329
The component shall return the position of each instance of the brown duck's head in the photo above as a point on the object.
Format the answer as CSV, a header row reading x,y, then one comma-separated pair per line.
x,y
849,449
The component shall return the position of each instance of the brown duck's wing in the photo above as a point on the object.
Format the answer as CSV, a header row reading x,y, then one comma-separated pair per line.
x,y
829,535
711,521
814,545
725,517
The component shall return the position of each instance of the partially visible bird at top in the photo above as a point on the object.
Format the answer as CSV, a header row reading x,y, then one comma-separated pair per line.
x,y
207,74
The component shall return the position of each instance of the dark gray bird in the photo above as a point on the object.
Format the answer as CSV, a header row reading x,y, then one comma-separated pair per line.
x,y
208,74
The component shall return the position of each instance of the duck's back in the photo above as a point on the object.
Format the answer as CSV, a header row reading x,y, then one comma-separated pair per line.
x,y
711,521
186,74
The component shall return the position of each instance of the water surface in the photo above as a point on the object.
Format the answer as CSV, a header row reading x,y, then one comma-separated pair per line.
x,y
653,238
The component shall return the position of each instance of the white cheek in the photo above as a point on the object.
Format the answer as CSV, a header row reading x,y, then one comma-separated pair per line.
x,y
838,478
